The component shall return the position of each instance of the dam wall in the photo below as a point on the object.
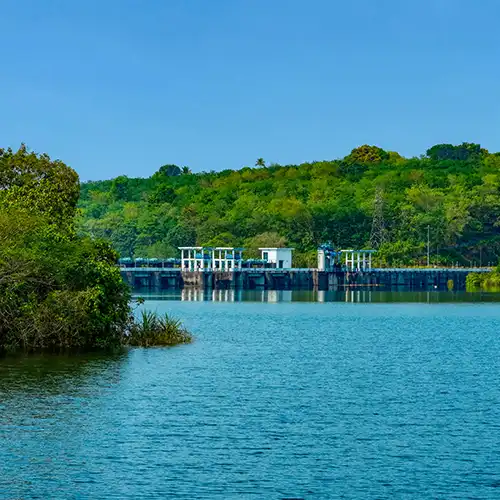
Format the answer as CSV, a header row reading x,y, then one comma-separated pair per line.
x,y
158,279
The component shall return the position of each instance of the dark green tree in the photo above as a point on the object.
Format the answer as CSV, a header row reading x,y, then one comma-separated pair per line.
x,y
120,188
169,171
464,151
162,194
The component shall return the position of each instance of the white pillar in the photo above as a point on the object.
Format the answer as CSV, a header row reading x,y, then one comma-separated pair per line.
x,y
364,261
321,260
370,260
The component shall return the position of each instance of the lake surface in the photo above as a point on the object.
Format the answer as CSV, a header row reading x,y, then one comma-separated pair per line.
x,y
276,398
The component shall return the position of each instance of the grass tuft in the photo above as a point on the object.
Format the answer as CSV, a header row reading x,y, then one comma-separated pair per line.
x,y
152,329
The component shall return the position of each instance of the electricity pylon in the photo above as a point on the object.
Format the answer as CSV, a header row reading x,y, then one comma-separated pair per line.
x,y
379,233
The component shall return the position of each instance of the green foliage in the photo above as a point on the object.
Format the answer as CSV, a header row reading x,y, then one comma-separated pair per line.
x,y
367,154
453,189
58,290
464,151
169,171
34,184
474,281
162,194
483,281
154,330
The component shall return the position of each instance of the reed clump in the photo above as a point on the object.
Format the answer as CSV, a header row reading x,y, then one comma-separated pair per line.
x,y
152,329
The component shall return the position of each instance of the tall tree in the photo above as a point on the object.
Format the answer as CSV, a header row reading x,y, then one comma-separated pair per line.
x,y
169,171
38,185
366,154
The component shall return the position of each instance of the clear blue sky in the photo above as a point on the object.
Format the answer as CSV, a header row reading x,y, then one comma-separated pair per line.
x,y
124,86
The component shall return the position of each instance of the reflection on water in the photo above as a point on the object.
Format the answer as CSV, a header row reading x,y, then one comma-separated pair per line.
x,y
44,375
353,295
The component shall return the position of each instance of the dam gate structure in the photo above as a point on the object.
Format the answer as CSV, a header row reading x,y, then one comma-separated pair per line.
x,y
225,268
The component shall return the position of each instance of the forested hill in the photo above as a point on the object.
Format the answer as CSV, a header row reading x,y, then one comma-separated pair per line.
x,y
370,199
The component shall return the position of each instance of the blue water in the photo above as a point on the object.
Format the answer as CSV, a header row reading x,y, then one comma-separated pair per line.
x,y
272,400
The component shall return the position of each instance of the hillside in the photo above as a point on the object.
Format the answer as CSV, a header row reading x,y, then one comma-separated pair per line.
x,y
370,198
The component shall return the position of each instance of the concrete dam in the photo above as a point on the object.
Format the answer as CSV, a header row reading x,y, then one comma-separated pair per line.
x,y
158,279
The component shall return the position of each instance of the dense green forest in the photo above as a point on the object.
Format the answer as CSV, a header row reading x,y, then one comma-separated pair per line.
x,y
371,198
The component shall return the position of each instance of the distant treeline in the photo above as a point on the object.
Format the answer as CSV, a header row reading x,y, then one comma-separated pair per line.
x,y
371,198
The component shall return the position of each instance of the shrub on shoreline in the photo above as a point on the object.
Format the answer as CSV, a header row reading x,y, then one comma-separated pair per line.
x,y
483,281
154,330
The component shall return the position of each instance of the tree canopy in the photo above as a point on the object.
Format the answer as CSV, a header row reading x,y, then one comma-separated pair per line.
x,y
36,185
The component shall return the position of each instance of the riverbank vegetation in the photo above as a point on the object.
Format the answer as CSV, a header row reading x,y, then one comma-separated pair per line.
x,y
484,281
152,329
370,198
58,290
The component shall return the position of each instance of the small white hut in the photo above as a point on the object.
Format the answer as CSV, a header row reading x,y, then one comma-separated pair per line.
x,y
279,257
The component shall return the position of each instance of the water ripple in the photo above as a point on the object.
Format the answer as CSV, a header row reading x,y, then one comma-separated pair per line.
x,y
289,400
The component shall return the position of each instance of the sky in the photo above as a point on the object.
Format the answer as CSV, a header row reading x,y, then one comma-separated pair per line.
x,y
121,87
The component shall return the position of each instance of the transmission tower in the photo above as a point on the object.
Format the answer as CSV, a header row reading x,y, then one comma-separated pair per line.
x,y
379,231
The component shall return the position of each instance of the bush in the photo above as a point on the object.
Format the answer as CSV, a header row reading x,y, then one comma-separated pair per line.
x,y
154,330
486,281
491,281
473,281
